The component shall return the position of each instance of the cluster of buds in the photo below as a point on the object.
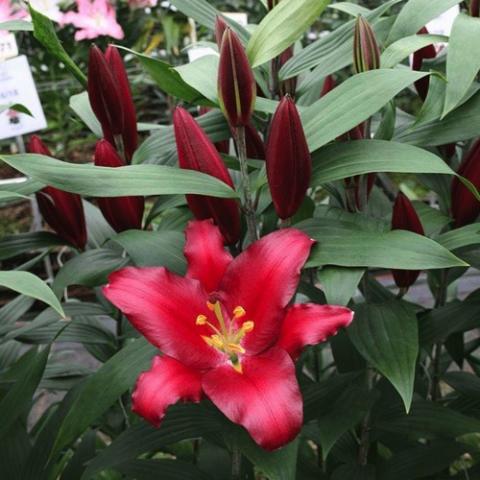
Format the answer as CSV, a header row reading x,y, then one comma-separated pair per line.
x,y
197,152
465,207
63,211
405,217
111,99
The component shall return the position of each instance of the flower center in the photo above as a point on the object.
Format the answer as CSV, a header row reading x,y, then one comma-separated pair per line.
x,y
225,338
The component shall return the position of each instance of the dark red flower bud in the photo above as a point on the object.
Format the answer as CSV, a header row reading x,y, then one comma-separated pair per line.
x,y
197,152
405,217
421,86
63,211
289,86
366,54
220,26
104,94
272,3
465,207
475,8
35,145
255,145
328,85
129,133
122,213
289,165
236,83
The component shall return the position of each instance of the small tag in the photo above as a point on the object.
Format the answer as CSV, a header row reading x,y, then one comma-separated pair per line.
x,y
8,46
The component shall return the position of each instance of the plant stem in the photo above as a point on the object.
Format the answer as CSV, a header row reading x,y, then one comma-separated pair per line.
x,y
236,463
441,297
365,429
247,194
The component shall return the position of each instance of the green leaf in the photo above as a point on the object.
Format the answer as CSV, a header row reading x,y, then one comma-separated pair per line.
x,y
11,196
426,419
352,102
30,285
421,461
44,32
339,283
343,160
461,124
386,335
149,249
140,180
282,27
338,43
16,26
342,415
402,48
416,14
460,237
18,107
167,78
18,398
113,378
181,422
90,268
201,74
80,104
345,244
464,382
164,469
280,464
462,67
13,245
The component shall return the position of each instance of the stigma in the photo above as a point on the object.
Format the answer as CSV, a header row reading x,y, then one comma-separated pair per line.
x,y
227,337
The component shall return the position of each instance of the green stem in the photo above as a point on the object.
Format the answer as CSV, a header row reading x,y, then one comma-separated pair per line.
x,y
236,464
247,193
365,429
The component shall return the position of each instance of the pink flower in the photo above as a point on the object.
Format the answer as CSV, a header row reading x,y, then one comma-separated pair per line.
x,y
10,12
94,19
142,3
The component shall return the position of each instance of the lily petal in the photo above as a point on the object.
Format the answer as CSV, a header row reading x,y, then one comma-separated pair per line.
x,y
262,280
167,382
205,253
309,324
163,307
264,398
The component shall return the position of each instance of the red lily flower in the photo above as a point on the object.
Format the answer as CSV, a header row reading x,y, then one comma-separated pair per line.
x,y
122,213
405,218
63,211
465,207
111,99
197,152
236,83
226,330
421,86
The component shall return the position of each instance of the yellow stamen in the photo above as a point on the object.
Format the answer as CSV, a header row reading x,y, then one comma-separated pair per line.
x,y
211,306
247,327
201,320
217,341
239,312
235,347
